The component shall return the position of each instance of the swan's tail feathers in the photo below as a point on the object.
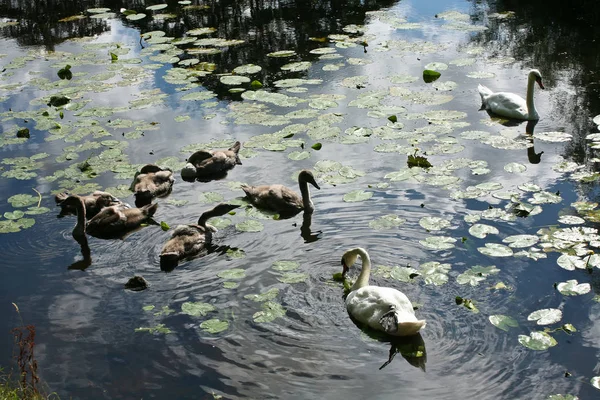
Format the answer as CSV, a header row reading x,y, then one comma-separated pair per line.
x,y
410,328
236,149
150,209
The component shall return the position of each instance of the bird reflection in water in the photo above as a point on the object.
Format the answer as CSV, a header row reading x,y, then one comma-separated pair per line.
x,y
532,156
412,349
305,231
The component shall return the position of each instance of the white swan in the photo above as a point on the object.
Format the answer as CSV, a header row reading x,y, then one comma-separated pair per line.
x,y
382,308
511,105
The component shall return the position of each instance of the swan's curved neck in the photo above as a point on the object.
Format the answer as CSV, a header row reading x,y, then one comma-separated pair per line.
x,y
306,202
529,99
363,278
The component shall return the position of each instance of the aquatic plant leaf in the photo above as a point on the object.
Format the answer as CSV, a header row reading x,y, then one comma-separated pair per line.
x,y
545,316
537,341
560,396
249,225
402,175
285,265
198,96
418,161
430,75
136,17
234,80
545,198
157,7
517,241
503,322
467,303
37,210
234,273
214,325
481,75
436,66
292,277
247,69
298,155
14,215
389,221
495,250
571,220
357,195
22,200
434,223
282,53
196,309
210,197
220,222
553,137
296,66
270,311
270,294
482,230
573,288
515,167
149,307
595,381
434,272
476,274
160,328
230,285
438,242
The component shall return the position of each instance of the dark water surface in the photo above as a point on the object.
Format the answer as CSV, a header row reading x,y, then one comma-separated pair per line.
x,y
87,345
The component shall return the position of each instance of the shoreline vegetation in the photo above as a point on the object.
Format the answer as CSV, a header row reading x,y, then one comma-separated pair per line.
x,y
25,385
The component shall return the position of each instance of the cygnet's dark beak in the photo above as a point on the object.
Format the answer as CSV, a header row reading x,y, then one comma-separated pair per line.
x,y
539,82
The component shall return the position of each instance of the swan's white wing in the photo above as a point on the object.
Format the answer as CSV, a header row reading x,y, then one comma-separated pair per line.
x,y
368,304
507,104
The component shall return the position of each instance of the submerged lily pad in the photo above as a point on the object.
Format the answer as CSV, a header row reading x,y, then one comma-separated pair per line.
x,y
503,322
249,225
389,221
234,273
214,325
537,341
292,277
357,195
285,265
265,296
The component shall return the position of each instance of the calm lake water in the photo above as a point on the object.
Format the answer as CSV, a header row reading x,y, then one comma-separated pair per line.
x,y
348,67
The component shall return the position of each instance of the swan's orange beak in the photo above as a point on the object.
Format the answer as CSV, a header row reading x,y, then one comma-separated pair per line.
x,y
539,82
345,269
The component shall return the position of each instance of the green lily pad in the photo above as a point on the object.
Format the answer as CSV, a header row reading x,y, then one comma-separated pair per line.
x,y
298,155
22,200
197,309
434,223
250,225
595,381
285,265
438,242
430,75
546,316
234,273
521,240
230,285
357,195
136,17
537,341
503,322
270,311
573,288
495,250
482,230
214,325
476,274
14,215
235,253
434,272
